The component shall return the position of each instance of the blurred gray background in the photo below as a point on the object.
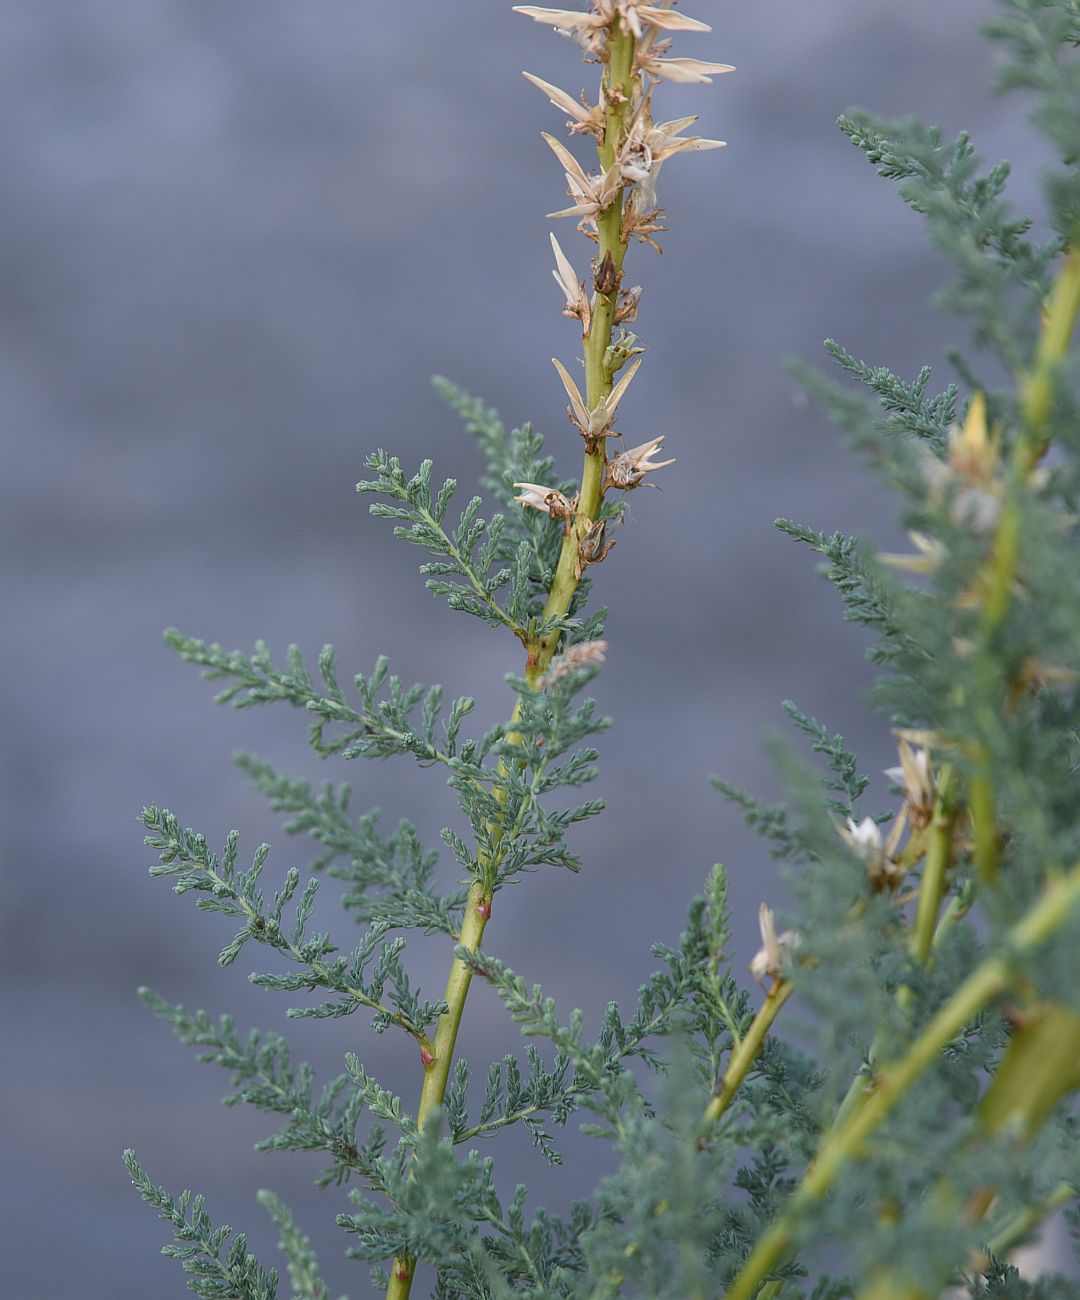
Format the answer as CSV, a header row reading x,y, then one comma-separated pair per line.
x,y
237,239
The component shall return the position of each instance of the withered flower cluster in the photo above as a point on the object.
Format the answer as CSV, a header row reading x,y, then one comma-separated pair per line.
x,y
613,205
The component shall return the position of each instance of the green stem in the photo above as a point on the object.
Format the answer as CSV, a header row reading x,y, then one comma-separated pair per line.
x,y
932,888
1018,1227
988,981
437,1070
747,1051
1036,391
1038,1069
955,910
862,1084
987,848
618,78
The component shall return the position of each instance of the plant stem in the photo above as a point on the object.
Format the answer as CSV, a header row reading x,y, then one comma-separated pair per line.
x,y
617,94
1036,393
1037,389
932,888
747,1051
436,1075
987,981
437,1070
1018,1227
1038,1069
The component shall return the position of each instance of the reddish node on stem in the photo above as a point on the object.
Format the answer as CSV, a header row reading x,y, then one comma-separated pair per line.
x,y
403,1274
427,1056
484,908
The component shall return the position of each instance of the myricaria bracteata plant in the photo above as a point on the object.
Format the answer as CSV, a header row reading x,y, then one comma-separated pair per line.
x,y
923,1127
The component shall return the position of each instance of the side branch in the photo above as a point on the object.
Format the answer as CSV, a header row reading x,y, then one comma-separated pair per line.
x,y
988,981
747,1052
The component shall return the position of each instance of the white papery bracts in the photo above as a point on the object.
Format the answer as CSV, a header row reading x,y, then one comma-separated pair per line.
x,y
772,958
548,500
590,29
578,305
596,423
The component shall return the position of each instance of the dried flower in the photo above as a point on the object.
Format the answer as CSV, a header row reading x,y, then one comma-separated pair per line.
x,y
634,13
927,556
596,423
650,59
641,220
591,194
633,16
570,21
627,470
627,308
647,145
593,546
775,949
546,499
864,838
879,859
972,471
577,301
685,71
605,275
973,454
587,654
584,119
916,779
